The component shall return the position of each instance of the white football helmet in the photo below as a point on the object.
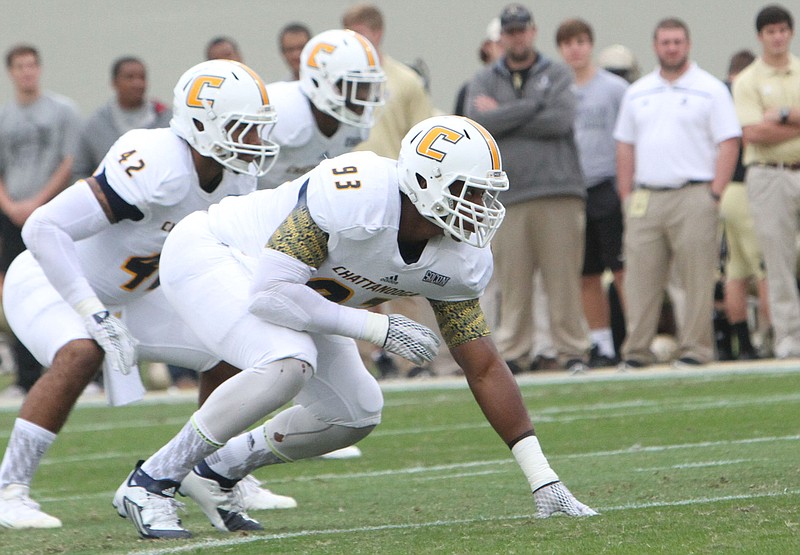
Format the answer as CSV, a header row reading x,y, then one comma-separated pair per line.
x,y
444,161
216,104
340,70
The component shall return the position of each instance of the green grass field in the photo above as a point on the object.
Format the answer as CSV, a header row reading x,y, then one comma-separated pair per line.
x,y
676,462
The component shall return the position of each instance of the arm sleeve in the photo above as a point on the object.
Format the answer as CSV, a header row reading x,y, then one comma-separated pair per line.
x,y
460,321
279,296
50,234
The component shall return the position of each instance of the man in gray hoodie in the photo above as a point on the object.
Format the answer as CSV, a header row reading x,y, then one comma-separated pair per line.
x,y
528,104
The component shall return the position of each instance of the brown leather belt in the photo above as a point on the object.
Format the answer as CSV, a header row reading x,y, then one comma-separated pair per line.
x,y
793,166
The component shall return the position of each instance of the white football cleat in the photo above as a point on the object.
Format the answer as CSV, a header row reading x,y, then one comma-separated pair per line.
x,y
18,510
223,507
556,498
351,452
150,505
256,498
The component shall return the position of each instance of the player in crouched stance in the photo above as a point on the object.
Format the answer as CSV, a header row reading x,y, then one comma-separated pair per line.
x,y
85,292
284,275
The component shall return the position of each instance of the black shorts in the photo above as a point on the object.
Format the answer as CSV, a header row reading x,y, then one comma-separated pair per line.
x,y
11,243
604,225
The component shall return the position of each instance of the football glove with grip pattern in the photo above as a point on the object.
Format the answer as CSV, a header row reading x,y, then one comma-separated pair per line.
x,y
556,498
115,340
411,340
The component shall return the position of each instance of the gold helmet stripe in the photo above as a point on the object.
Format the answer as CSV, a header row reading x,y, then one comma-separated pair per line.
x,y
494,150
262,89
371,58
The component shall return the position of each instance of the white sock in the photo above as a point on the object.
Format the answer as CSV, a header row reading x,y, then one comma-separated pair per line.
x,y
604,340
26,447
177,458
531,460
242,454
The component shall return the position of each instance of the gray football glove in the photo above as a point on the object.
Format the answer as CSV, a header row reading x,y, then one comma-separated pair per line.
x,y
115,340
556,498
411,340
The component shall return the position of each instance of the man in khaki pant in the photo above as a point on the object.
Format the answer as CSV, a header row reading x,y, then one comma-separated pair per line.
x,y
767,95
677,143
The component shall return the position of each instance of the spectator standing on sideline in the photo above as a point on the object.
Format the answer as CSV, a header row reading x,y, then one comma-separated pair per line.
x,y
223,48
38,133
527,101
599,95
743,263
677,143
291,41
767,97
129,109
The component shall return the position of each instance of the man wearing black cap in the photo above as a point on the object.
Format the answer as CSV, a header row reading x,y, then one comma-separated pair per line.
x,y
527,102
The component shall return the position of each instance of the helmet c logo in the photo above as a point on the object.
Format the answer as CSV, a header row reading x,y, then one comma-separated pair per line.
x,y
321,47
193,99
425,146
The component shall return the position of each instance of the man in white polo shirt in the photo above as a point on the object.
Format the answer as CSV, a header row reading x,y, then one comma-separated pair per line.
x,y
677,144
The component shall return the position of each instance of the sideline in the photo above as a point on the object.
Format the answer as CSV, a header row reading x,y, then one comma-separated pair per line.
x,y
655,372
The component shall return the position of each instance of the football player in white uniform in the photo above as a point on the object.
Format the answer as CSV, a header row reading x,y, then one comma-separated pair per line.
x,y
85,292
285,275
330,109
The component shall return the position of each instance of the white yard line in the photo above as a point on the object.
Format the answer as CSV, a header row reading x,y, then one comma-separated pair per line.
x,y
217,544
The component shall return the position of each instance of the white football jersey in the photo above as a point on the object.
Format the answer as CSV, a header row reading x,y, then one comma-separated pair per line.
x,y
355,199
303,146
150,175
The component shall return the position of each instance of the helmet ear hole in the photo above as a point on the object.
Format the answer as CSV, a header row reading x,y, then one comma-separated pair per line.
x,y
422,182
198,125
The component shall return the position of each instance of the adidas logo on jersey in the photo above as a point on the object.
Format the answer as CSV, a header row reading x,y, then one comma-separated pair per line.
x,y
390,279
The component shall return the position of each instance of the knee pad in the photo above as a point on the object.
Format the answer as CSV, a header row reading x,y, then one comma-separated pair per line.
x,y
295,434
249,396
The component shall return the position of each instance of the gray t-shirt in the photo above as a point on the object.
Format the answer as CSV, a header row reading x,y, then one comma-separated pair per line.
x,y
34,140
598,105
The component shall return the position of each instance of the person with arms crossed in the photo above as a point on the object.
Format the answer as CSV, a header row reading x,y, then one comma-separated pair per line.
x,y
93,252
528,102
677,144
299,264
767,97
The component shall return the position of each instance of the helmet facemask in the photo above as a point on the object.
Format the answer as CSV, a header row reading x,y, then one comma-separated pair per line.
x,y
231,149
467,207
362,89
